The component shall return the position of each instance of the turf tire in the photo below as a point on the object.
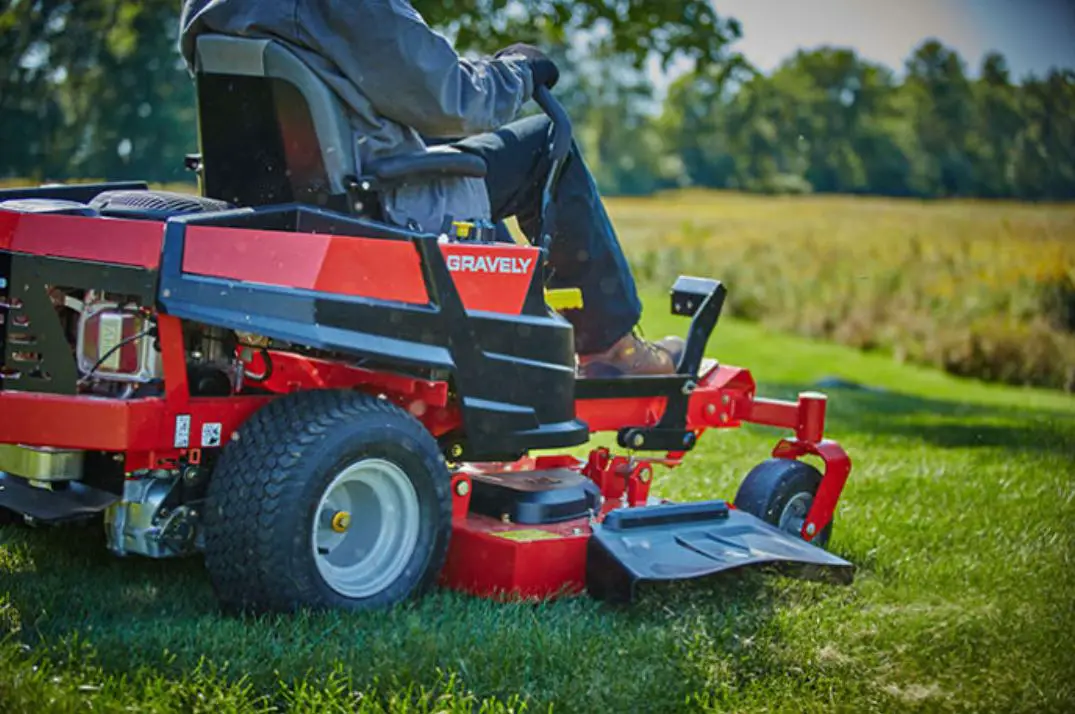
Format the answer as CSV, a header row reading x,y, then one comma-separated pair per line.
x,y
264,491
771,485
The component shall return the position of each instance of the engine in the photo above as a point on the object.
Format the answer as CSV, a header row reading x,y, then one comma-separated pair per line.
x,y
105,344
114,344
118,355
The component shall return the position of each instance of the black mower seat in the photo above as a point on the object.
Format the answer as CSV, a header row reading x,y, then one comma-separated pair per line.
x,y
437,161
271,131
153,205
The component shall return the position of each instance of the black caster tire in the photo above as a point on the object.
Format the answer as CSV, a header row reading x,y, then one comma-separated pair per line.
x,y
780,492
327,499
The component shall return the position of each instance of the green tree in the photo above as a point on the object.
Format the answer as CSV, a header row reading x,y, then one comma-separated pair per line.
x,y
841,105
143,114
999,123
614,128
1045,149
31,110
941,104
805,125
637,29
95,88
694,124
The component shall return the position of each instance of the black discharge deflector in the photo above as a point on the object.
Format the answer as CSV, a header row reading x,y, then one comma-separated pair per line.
x,y
692,540
534,497
70,501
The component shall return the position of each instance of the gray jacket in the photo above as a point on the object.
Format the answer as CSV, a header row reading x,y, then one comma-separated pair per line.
x,y
400,79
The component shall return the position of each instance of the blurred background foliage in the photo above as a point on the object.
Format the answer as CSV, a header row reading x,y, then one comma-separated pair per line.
x,y
96,89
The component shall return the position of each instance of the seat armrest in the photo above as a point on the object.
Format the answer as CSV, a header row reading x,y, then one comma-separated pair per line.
x,y
438,161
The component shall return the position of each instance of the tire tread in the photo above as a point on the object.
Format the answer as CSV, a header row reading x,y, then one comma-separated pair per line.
x,y
765,485
253,483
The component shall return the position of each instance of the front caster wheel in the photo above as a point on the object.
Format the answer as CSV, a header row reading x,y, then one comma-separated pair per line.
x,y
781,492
327,499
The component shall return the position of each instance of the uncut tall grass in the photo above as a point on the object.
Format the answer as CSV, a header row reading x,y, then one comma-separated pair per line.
x,y
983,289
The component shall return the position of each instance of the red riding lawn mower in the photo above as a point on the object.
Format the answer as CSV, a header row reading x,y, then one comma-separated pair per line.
x,y
339,412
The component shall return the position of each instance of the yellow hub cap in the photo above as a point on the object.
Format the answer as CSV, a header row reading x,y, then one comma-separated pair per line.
x,y
341,521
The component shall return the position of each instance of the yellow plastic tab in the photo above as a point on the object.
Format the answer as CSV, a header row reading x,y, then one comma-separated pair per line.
x,y
463,229
564,298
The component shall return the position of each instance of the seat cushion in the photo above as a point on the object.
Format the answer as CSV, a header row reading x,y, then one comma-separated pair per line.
x,y
437,161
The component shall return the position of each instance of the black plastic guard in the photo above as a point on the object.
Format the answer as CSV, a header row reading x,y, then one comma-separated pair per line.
x,y
514,374
76,500
692,540
534,497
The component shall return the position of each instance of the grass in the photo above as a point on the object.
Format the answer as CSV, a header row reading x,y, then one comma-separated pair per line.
x,y
958,514
983,289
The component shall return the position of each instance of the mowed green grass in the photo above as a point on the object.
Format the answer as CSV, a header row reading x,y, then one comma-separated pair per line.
x,y
959,515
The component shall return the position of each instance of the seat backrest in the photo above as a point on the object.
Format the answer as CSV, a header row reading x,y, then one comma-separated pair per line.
x,y
270,131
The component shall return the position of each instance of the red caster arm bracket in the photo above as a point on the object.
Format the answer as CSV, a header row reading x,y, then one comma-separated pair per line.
x,y
837,468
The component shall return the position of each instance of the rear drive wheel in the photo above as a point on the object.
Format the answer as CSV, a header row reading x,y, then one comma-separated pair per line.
x,y
781,492
327,499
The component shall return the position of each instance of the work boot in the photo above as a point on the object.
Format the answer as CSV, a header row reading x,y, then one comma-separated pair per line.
x,y
633,356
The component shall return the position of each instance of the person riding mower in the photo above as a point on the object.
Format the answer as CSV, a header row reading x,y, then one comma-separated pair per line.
x,y
406,86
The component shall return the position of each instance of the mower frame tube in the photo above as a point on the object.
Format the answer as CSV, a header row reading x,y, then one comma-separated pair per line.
x,y
725,397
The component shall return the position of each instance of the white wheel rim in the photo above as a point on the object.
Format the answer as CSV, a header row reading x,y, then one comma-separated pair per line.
x,y
365,528
793,517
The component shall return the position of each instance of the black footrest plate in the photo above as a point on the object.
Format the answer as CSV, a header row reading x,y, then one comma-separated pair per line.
x,y
685,541
76,500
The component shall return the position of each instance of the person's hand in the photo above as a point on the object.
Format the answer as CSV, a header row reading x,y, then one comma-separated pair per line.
x,y
544,70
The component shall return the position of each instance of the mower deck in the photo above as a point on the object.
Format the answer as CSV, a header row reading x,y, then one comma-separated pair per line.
x,y
536,552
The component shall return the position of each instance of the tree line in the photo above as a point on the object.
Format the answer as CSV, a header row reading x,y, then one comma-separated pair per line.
x,y
827,120
95,89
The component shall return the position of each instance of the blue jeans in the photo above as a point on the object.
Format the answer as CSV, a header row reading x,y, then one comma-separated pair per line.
x,y
585,252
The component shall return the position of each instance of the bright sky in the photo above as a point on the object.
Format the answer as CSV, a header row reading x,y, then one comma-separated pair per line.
x,y
1033,35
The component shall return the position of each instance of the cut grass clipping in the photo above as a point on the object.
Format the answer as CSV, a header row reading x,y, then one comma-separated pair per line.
x,y
958,514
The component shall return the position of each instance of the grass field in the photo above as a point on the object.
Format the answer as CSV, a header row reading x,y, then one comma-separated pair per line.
x,y
978,288
958,514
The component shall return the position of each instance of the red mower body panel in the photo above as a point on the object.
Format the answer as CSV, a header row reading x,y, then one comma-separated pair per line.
x,y
490,277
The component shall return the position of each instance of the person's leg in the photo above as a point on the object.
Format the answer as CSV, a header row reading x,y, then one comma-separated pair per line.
x,y
585,252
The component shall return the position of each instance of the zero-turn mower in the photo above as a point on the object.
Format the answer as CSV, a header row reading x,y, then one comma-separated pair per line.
x,y
339,412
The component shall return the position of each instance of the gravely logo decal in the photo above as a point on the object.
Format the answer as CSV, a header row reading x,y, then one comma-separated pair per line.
x,y
487,264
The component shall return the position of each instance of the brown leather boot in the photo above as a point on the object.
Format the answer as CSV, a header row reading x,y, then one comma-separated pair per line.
x,y
633,356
